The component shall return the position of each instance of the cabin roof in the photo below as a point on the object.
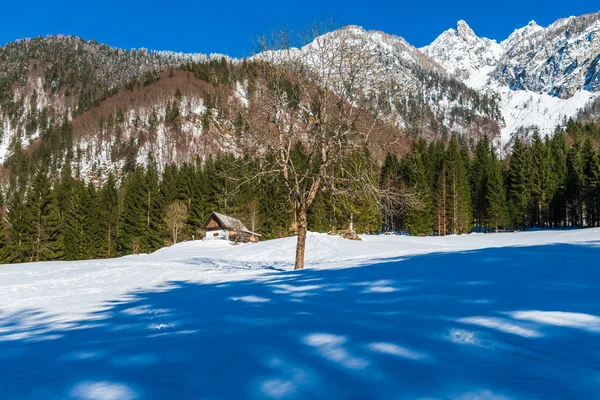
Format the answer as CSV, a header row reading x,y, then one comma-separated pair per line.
x,y
227,222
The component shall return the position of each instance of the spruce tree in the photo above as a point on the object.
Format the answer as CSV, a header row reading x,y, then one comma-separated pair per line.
x,y
360,208
108,222
44,210
154,208
458,203
543,182
133,220
519,186
274,209
575,185
441,197
389,180
93,229
198,207
495,196
591,171
4,245
321,215
169,184
414,170
74,222
480,170
558,205
20,229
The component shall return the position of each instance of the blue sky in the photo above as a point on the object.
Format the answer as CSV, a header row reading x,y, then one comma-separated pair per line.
x,y
231,26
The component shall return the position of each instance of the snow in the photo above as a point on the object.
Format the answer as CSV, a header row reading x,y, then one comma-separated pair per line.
x,y
241,93
540,74
521,108
102,391
466,56
560,318
482,316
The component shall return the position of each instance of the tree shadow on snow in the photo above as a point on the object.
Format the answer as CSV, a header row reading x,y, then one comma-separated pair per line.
x,y
499,323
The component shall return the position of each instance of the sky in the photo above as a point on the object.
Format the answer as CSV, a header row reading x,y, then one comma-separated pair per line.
x,y
231,27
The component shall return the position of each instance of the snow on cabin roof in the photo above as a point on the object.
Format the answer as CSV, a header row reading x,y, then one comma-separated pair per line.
x,y
228,222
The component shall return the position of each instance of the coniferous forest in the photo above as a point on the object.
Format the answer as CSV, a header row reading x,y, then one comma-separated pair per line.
x,y
542,182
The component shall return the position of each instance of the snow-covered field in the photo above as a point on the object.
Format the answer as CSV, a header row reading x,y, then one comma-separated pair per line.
x,y
497,316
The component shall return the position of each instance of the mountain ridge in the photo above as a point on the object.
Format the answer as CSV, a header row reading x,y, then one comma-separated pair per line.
x,y
555,67
459,84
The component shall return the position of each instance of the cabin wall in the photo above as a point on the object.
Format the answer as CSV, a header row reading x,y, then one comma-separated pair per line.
x,y
217,234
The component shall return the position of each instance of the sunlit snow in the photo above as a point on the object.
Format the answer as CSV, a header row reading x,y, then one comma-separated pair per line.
x,y
483,316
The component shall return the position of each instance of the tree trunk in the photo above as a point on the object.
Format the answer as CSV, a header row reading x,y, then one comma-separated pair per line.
x,y
301,226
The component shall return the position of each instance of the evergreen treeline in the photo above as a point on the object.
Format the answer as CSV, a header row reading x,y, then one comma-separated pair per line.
x,y
69,219
455,188
542,183
65,218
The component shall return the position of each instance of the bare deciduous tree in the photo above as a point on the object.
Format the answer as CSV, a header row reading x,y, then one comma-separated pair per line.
x,y
313,102
309,107
176,217
253,215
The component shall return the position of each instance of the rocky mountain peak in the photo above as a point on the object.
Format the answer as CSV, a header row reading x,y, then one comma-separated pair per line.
x,y
520,35
465,55
464,31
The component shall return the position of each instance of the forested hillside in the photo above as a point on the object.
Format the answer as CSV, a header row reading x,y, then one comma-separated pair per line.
x,y
110,152
546,183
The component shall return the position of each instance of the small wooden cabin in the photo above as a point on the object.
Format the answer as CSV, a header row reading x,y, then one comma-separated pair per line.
x,y
219,226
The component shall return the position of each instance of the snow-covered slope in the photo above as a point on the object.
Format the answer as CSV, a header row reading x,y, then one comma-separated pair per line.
x,y
415,91
496,316
543,75
71,290
559,60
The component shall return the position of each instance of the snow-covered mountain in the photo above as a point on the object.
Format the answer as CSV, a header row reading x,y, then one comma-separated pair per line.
x,y
542,75
125,104
423,99
559,60
465,55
